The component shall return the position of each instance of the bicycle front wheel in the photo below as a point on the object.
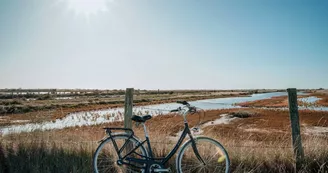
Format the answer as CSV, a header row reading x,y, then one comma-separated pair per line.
x,y
213,154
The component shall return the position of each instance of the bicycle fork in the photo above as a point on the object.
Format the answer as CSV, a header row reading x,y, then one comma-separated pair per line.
x,y
193,144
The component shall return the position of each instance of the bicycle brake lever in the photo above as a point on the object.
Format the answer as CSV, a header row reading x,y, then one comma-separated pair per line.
x,y
195,129
192,110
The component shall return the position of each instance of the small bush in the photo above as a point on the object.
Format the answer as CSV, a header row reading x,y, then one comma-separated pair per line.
x,y
45,97
242,114
13,102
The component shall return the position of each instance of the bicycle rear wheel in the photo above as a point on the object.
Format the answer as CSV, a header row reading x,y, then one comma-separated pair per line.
x,y
106,158
211,151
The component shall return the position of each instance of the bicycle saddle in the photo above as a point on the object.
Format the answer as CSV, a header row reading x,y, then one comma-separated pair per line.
x,y
141,119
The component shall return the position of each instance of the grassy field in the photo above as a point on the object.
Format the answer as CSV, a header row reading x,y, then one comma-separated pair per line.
x,y
257,140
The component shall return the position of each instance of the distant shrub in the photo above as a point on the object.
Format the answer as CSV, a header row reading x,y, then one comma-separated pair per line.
x,y
102,102
145,100
44,97
242,114
2,110
27,109
13,102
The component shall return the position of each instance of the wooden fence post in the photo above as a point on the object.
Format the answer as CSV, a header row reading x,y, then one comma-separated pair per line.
x,y
296,136
128,104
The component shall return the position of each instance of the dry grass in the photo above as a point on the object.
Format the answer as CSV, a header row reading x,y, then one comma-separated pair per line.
x,y
40,156
258,141
46,158
256,126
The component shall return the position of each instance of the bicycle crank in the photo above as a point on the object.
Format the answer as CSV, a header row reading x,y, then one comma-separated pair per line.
x,y
156,168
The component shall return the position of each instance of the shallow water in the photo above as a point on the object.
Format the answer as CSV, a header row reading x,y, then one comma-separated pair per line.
x,y
110,115
219,103
311,99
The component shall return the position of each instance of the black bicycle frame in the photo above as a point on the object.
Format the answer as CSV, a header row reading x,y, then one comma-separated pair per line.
x,y
151,159
177,146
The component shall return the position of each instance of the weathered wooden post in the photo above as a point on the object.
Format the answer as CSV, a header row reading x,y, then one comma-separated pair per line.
x,y
296,136
128,104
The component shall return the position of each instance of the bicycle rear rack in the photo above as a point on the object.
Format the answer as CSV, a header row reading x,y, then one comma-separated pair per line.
x,y
109,130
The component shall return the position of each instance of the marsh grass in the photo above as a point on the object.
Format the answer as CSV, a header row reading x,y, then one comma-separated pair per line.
x,y
47,156
42,157
267,149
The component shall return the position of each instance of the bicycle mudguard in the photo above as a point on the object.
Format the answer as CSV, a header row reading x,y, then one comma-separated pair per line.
x,y
103,139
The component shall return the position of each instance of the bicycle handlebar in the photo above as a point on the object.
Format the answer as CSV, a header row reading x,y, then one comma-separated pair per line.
x,y
175,110
190,108
183,102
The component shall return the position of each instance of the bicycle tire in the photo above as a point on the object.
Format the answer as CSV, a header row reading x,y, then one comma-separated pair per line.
x,y
187,162
109,163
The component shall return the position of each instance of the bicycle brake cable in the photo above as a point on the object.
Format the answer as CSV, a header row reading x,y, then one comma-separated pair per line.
x,y
199,117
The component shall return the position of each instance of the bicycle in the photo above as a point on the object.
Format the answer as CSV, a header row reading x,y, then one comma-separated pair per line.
x,y
124,152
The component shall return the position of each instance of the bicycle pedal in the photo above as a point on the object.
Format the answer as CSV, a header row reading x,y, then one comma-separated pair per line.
x,y
162,170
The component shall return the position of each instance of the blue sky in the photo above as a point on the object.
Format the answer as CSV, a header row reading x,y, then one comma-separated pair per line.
x,y
156,44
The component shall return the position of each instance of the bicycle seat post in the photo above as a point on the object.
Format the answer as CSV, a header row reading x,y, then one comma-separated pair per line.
x,y
145,130
147,139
